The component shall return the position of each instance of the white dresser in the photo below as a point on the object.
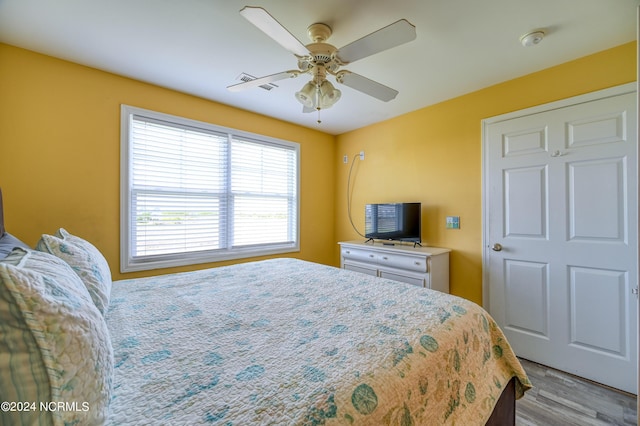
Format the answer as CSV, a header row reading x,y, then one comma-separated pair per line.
x,y
422,266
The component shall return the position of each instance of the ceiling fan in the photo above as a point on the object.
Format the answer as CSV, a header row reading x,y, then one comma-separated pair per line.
x,y
320,59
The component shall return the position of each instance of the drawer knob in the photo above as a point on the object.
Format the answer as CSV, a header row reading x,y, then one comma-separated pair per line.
x,y
371,255
385,257
417,263
348,251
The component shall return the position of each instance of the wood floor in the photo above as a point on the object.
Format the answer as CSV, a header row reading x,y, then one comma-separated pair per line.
x,y
562,399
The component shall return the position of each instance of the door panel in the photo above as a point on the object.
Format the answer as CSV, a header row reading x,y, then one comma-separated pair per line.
x,y
529,141
525,204
527,293
601,180
596,130
561,201
598,312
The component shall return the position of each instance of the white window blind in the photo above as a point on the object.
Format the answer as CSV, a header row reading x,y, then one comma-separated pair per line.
x,y
263,190
194,192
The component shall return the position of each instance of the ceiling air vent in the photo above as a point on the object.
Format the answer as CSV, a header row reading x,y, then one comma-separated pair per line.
x,y
244,77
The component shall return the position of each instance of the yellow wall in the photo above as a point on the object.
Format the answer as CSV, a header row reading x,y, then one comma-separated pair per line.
x,y
60,152
433,155
60,148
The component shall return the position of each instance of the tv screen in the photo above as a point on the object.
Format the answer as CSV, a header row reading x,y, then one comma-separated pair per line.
x,y
393,221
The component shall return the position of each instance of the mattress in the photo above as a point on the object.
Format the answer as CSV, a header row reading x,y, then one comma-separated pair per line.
x,y
285,341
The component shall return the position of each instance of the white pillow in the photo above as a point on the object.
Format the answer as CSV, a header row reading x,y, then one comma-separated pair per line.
x,y
65,352
86,260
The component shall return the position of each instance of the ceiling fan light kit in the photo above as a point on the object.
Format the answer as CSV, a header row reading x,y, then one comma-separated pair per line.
x,y
329,95
320,58
306,94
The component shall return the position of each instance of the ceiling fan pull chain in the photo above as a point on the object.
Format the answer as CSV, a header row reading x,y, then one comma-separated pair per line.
x,y
318,102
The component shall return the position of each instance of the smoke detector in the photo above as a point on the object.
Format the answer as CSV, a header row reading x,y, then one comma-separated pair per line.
x,y
532,38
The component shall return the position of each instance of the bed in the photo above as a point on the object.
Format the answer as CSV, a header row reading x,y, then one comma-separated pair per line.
x,y
273,342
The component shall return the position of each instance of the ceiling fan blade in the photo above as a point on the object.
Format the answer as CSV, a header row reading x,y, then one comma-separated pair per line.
x,y
393,35
263,80
268,24
366,86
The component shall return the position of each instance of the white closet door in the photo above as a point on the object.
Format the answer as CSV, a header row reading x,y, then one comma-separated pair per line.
x,y
561,234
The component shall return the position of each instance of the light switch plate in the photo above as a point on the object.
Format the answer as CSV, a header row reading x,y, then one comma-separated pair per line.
x,y
453,222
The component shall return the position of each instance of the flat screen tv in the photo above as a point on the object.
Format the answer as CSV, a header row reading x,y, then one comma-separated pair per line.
x,y
393,221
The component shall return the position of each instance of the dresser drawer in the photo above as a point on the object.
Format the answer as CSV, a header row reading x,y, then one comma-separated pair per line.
x,y
408,263
417,280
362,268
362,255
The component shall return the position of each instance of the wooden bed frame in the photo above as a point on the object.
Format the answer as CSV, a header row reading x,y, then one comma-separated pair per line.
x,y
504,413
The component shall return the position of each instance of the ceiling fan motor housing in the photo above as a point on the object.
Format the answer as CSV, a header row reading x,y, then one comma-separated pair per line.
x,y
320,54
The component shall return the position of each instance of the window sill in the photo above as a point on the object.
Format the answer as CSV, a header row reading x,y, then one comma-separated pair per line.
x,y
185,259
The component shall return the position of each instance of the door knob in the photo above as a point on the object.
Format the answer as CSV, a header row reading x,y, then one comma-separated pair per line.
x,y
497,247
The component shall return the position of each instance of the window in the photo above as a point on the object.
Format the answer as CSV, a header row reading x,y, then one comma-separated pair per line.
x,y
193,192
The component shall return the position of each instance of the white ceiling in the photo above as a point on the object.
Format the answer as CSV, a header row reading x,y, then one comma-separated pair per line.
x,y
200,47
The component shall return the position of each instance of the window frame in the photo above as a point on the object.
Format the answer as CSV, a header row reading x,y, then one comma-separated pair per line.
x,y
130,264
